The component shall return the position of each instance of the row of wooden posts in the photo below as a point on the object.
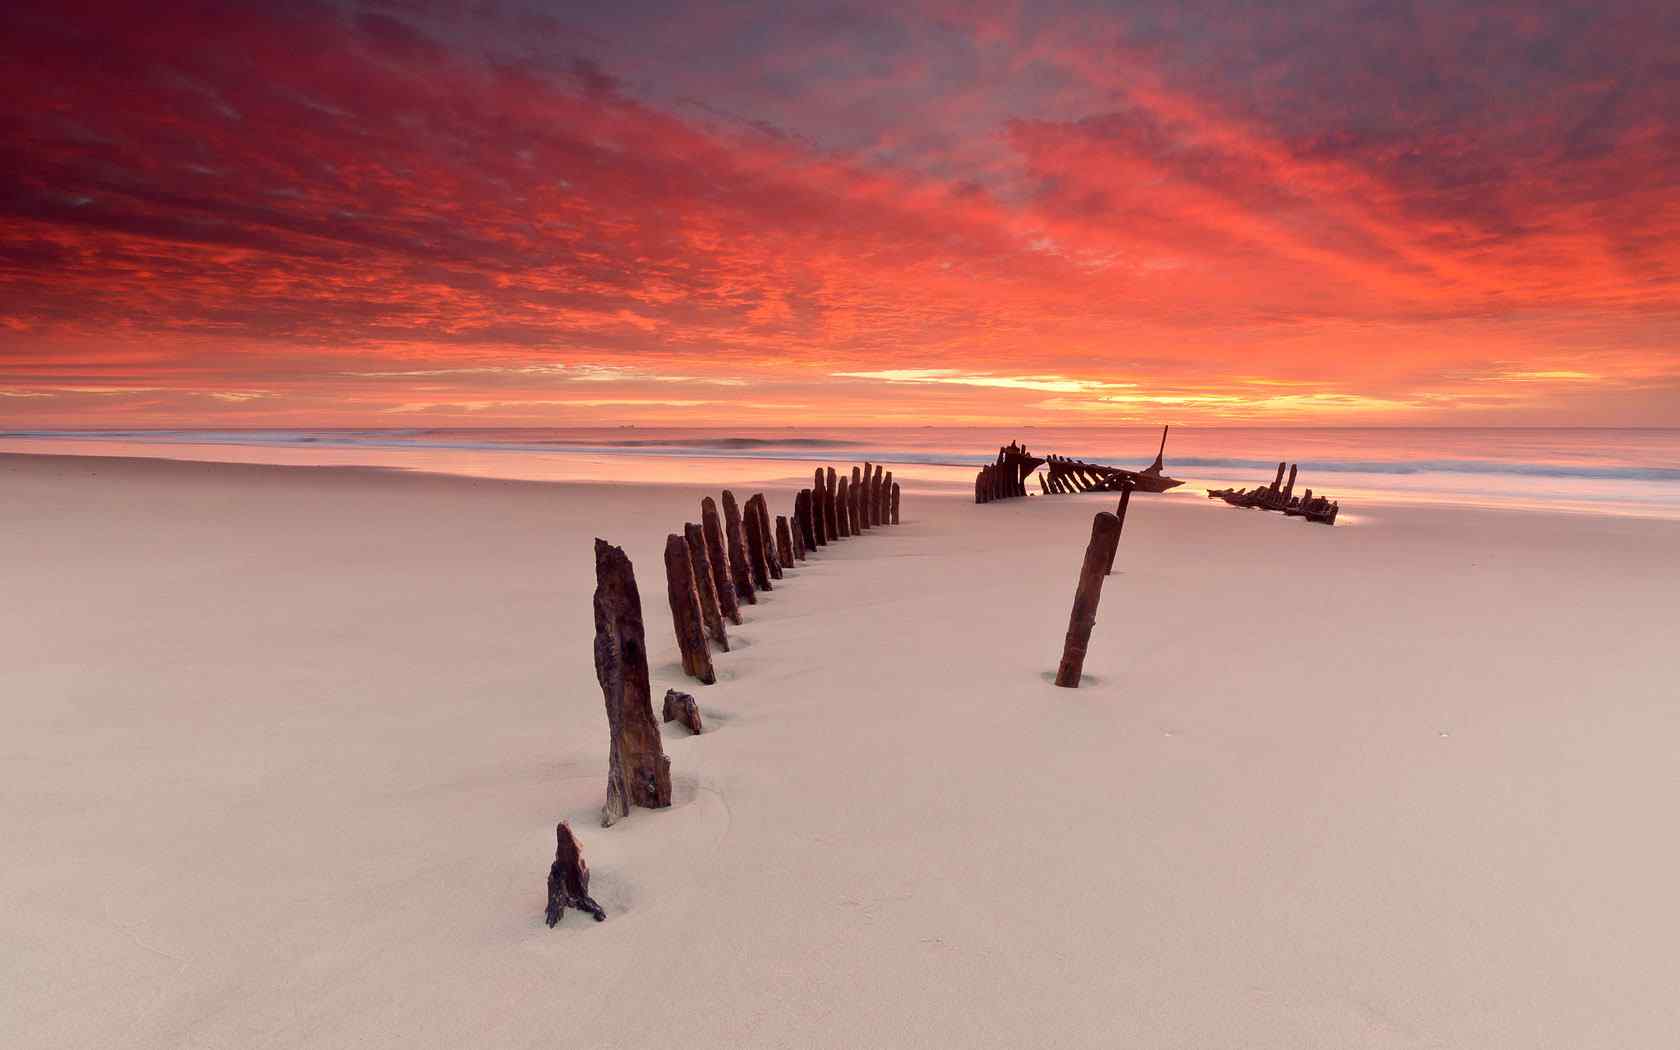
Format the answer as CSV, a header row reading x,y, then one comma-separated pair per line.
x,y
711,570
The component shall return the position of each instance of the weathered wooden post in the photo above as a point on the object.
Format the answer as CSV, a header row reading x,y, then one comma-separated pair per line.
x,y
739,571
705,585
798,540
568,878
772,561
718,557
784,541
1289,486
895,503
638,773
756,564
804,517
685,611
1105,533
844,497
819,515
883,504
831,512
1126,488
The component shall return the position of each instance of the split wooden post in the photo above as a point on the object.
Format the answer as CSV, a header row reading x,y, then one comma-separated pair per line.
x,y
819,515
831,512
718,556
756,563
1099,553
739,572
1126,488
638,773
1289,486
568,878
895,503
845,495
805,518
784,541
772,561
685,611
705,585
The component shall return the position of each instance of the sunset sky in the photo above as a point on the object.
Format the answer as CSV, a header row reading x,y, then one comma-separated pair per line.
x,y
413,214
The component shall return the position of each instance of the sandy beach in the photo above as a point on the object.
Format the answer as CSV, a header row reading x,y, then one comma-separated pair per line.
x,y
285,748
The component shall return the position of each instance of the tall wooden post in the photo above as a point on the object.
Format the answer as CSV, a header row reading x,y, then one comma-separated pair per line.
x,y
819,515
718,556
638,773
831,513
685,611
771,561
805,517
705,585
1289,486
739,571
1105,533
1126,488
895,503
844,495
757,561
784,541
883,505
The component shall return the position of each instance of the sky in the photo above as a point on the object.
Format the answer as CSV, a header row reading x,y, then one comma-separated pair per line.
x,y
408,214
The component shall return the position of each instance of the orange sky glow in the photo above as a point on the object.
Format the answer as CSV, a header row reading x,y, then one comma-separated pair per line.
x,y
527,214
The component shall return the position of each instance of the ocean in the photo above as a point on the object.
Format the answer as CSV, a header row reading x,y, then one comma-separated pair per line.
x,y
1588,470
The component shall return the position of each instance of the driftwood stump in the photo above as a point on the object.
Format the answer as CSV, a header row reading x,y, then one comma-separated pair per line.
x,y
705,586
1105,533
831,512
685,611
681,707
718,558
638,773
568,879
819,516
784,541
1126,488
739,573
844,517
895,502
755,546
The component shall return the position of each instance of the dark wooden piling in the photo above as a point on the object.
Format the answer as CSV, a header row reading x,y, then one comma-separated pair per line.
x,y
756,557
1126,488
638,773
772,561
685,611
798,540
819,514
895,503
739,571
1099,554
883,502
568,879
844,495
705,586
718,556
1288,486
831,511
858,524
784,541
805,518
